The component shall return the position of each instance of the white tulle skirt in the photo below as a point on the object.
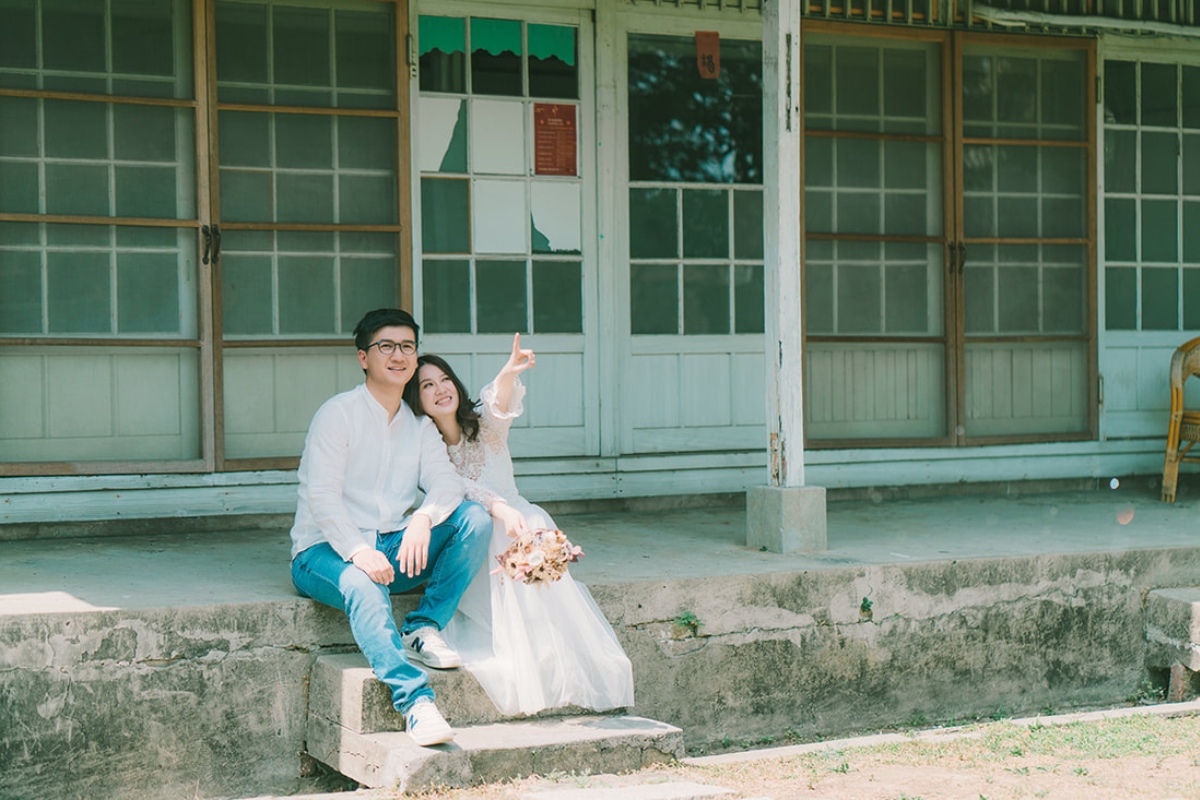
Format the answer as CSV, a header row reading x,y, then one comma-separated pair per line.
x,y
537,647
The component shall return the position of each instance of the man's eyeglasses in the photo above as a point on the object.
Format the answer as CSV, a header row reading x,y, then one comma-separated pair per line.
x,y
387,347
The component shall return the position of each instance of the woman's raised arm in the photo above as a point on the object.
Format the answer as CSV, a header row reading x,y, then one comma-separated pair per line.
x,y
518,361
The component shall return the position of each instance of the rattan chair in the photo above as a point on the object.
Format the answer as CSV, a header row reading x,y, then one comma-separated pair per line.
x,y
1184,430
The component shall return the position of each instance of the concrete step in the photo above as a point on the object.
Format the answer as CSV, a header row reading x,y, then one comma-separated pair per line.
x,y
1172,629
497,752
353,728
343,689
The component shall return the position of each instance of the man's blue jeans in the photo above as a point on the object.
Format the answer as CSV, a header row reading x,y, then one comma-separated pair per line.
x,y
457,549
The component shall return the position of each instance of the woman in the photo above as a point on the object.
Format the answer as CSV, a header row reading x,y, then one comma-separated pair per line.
x,y
530,647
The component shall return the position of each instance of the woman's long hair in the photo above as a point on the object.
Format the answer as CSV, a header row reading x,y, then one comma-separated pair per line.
x,y
465,414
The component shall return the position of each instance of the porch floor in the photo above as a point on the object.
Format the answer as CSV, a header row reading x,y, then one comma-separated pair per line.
x,y
210,568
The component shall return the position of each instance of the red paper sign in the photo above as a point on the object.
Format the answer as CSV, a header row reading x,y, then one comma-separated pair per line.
x,y
554,139
708,54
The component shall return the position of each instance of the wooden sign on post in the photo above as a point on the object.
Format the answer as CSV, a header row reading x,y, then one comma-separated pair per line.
x,y
554,139
708,54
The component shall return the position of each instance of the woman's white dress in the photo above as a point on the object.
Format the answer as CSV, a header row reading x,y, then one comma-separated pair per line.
x,y
530,647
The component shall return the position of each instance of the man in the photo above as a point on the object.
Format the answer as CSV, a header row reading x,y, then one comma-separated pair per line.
x,y
354,542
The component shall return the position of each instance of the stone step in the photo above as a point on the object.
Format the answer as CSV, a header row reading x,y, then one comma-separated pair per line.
x,y
344,690
495,752
1173,627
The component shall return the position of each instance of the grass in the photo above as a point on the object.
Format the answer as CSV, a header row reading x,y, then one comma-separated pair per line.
x,y
1142,756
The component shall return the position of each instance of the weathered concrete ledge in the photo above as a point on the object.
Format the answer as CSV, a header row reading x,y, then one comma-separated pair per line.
x,y
210,702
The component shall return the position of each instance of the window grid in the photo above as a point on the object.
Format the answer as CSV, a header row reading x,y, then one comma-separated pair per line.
x,y
477,319
1128,311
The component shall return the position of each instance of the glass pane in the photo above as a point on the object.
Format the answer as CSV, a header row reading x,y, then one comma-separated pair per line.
x,y
979,291
654,298
18,35
1160,163
1120,161
20,292
18,126
1159,89
818,212
818,161
365,43
1159,230
748,225
859,299
500,297
148,293
858,212
706,298
858,163
367,200
445,216
241,43
245,139
300,46
1191,233
904,80
905,214
1063,297
246,196
553,71
818,298
366,283
905,165
1017,170
1120,227
496,57
146,192
73,36
555,219
705,226
76,130
1120,92
446,291
442,135
978,88
304,198
443,54
1016,90
686,128
500,216
557,297
146,133
246,294
303,142
857,80
1018,299
366,143
1062,97
18,188
653,229
1017,216
748,298
1063,218
306,287
1191,97
906,299
498,137
1160,299
77,189
143,38
79,293
1191,299
1191,164
818,82
1120,298
305,242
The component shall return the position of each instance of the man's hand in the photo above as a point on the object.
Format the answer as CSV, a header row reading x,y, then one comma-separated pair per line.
x,y
375,564
512,520
414,546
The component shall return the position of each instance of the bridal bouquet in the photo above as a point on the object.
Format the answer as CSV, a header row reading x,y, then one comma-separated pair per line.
x,y
538,557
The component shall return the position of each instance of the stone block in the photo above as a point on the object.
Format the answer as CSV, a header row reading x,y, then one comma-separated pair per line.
x,y
786,519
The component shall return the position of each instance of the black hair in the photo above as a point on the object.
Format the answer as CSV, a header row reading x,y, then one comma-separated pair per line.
x,y
373,321
465,414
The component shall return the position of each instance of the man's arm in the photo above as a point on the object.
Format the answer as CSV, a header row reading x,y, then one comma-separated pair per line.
x,y
326,453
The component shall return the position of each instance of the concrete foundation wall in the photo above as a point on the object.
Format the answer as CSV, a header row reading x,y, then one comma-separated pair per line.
x,y
210,702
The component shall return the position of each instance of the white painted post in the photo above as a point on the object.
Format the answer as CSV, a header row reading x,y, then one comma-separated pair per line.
x,y
785,515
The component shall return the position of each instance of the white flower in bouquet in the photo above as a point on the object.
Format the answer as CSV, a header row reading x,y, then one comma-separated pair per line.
x,y
538,557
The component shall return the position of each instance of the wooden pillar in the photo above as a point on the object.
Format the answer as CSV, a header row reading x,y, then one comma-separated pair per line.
x,y
786,514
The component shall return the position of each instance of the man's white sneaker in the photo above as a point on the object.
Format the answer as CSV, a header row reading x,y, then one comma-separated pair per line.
x,y
425,724
427,646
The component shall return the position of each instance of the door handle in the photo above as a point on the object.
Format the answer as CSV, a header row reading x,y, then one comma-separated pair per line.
x,y
208,240
953,248
962,256
216,251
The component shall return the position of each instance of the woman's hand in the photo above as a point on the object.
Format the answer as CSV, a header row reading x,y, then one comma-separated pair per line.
x,y
518,361
512,520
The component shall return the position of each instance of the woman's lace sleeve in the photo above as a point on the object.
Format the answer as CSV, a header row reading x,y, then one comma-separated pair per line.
x,y
474,490
487,399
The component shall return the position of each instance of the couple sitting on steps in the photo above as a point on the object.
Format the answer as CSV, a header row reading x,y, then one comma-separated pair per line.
x,y
357,539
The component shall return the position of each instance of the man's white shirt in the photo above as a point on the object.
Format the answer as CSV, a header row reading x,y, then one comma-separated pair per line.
x,y
360,474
